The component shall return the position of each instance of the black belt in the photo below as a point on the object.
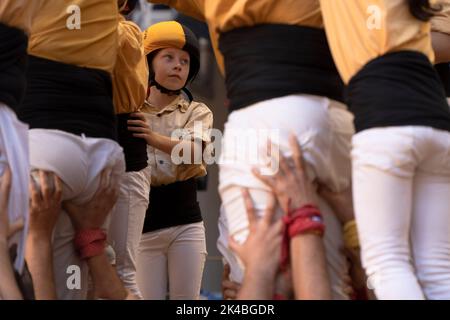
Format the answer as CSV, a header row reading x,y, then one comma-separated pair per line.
x,y
269,61
68,98
135,149
173,205
13,61
398,89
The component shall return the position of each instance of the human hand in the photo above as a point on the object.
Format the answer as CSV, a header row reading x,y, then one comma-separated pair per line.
x,y
140,127
290,184
261,251
92,215
45,203
230,288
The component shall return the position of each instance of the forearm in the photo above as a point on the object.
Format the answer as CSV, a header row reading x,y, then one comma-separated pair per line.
x,y
107,284
309,268
8,286
257,286
39,257
441,46
166,145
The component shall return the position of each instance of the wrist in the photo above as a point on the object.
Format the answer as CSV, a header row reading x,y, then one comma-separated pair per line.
x,y
90,242
39,236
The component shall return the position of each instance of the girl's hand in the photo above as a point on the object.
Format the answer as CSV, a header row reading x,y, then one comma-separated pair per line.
x,y
140,127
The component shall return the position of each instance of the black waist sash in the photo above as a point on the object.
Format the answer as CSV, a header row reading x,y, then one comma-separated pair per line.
x,y
68,98
135,149
443,69
270,61
398,89
173,205
13,57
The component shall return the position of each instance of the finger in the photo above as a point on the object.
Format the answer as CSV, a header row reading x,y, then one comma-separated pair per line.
x,y
58,187
284,166
234,246
35,194
264,179
140,135
138,129
230,294
275,156
5,187
249,207
270,209
297,154
6,182
226,271
14,227
103,184
138,115
44,186
138,123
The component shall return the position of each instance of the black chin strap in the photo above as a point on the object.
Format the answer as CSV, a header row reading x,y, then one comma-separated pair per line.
x,y
164,90
169,92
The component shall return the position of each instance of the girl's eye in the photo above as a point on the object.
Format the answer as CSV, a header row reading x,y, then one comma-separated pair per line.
x,y
184,61
168,57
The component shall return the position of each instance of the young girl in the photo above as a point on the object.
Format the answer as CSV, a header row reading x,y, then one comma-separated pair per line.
x,y
400,156
172,248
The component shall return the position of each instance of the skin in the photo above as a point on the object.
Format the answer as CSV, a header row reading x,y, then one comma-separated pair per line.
x,y
171,67
45,207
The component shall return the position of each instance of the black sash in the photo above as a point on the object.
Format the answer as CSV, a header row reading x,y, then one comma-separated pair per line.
x,y
443,69
13,58
172,205
135,149
398,89
68,98
270,61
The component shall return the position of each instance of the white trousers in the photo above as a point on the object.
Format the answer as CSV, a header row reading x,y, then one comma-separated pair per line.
x,y
78,161
14,153
172,258
324,129
401,179
127,221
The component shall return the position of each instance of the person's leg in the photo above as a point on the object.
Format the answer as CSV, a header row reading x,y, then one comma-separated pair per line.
x,y
431,218
186,261
151,265
383,168
127,221
324,133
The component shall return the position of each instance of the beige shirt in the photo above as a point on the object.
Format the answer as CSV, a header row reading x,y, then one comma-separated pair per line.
x,y
19,13
93,45
441,21
130,79
225,15
196,118
360,31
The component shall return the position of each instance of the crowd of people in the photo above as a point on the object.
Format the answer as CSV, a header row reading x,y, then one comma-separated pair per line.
x,y
102,144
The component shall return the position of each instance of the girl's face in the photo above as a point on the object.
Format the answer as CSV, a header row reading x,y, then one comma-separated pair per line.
x,y
171,67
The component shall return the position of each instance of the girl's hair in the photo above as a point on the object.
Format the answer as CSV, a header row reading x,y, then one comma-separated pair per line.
x,y
423,9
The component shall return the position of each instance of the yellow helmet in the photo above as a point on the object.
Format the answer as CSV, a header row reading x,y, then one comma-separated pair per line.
x,y
172,34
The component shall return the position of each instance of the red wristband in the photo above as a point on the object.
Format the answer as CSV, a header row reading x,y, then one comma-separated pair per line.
x,y
306,219
90,242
